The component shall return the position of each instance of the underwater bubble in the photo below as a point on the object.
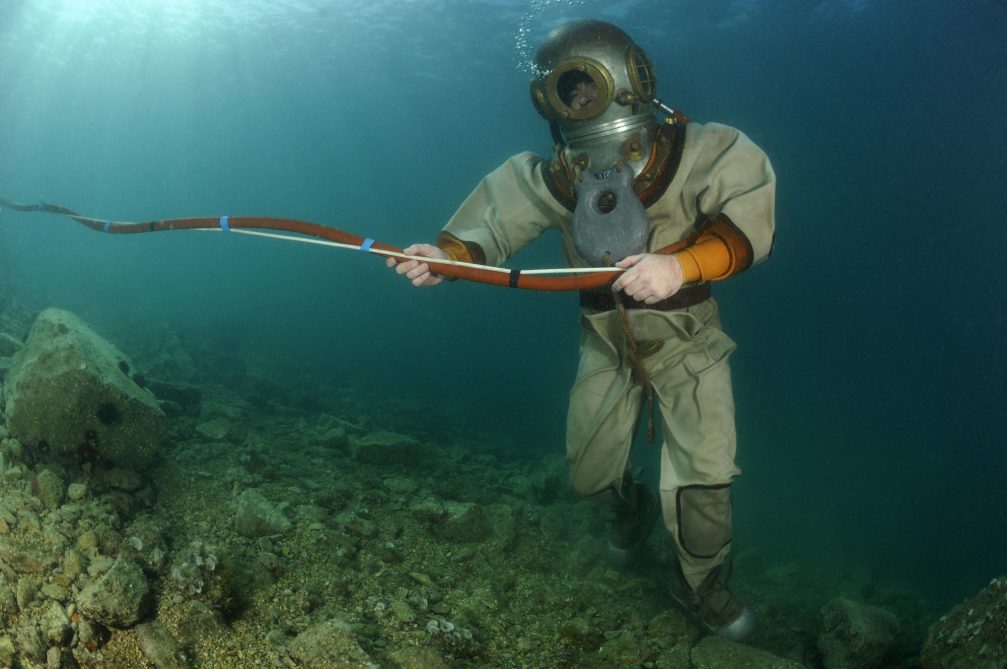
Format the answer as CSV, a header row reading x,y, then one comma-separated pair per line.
x,y
524,45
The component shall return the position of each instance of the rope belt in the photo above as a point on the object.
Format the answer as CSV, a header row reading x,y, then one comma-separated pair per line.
x,y
604,300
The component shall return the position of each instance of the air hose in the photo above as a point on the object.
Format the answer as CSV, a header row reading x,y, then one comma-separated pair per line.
x,y
539,279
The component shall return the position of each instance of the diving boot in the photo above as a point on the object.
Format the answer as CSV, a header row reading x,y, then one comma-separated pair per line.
x,y
632,523
714,607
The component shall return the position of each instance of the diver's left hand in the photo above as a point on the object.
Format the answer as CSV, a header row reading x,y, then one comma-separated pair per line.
x,y
649,278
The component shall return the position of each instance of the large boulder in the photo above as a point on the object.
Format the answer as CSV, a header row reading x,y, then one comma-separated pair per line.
x,y
71,390
972,635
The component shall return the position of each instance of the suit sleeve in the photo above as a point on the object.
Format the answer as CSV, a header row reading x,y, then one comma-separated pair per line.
x,y
735,190
507,210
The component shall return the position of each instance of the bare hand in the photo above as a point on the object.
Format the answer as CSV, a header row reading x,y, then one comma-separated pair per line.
x,y
649,278
419,272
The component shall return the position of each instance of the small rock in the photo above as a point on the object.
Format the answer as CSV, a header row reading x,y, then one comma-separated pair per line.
x,y
8,604
330,645
76,492
257,517
382,448
462,522
402,611
53,658
413,657
855,635
714,652
26,591
334,437
22,559
312,513
119,478
270,561
400,486
73,566
276,638
218,429
31,642
198,622
49,488
99,564
357,526
9,345
55,592
676,657
120,598
56,625
160,647
12,450
581,634
8,652
87,541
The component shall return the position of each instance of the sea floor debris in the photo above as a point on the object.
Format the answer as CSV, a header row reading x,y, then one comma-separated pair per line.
x,y
340,532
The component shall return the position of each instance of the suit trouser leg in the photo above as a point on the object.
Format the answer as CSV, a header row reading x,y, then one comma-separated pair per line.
x,y
697,457
603,412
692,381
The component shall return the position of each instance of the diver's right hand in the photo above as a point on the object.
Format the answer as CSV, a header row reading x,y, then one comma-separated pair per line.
x,y
418,272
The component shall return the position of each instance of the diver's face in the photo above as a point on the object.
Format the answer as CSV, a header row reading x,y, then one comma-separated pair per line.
x,y
583,96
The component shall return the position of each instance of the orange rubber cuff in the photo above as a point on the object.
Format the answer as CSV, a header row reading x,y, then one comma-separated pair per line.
x,y
460,251
721,250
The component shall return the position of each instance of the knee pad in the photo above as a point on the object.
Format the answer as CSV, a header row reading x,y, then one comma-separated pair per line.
x,y
704,519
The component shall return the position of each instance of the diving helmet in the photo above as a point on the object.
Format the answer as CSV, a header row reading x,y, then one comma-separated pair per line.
x,y
596,88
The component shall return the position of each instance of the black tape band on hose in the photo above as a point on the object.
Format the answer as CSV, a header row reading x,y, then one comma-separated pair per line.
x,y
515,274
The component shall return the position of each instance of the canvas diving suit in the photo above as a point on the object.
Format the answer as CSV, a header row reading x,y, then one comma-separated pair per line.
x,y
718,191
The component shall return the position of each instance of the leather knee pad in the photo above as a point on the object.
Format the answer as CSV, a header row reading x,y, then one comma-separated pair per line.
x,y
704,519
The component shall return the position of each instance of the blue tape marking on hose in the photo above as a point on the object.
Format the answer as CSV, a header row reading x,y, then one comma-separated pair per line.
x,y
108,224
366,246
224,225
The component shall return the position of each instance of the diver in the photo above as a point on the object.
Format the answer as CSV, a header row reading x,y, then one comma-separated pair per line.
x,y
677,205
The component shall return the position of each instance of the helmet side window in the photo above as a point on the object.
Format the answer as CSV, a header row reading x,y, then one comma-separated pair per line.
x,y
641,74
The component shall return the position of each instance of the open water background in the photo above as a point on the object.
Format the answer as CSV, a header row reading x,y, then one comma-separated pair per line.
x,y
870,372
